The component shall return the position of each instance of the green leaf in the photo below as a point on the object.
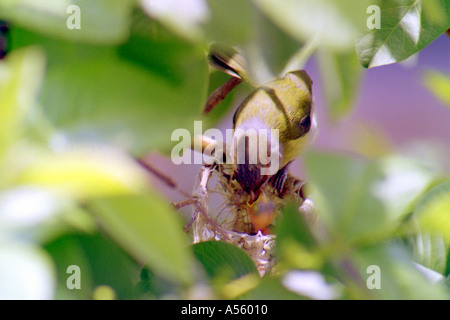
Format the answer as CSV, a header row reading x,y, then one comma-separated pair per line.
x,y
405,30
21,76
147,228
447,283
292,225
85,171
155,107
439,84
230,22
183,17
400,279
433,11
365,200
223,259
430,251
133,101
101,262
296,245
101,21
334,24
432,211
340,74
271,288
269,50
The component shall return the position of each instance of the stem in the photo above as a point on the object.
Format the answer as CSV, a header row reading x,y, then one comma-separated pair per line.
x,y
299,59
220,93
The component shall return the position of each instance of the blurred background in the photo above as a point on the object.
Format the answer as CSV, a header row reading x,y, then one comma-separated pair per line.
x,y
88,86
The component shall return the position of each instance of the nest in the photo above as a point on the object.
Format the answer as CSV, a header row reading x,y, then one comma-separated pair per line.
x,y
230,222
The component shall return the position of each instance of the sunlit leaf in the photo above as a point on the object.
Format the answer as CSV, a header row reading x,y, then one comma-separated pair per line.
x,y
433,211
430,251
292,225
20,80
433,11
269,50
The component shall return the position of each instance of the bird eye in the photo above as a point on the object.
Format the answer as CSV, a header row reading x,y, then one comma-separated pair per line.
x,y
306,122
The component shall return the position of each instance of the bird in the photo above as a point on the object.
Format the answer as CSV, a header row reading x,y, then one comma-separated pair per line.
x,y
272,126
284,105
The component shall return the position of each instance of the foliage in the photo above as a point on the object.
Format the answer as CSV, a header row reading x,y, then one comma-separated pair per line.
x,y
75,104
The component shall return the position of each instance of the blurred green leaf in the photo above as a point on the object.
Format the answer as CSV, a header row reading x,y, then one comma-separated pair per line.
x,y
147,228
122,103
85,171
432,211
439,84
271,288
101,262
109,98
102,21
431,252
334,24
405,30
20,80
151,286
365,200
399,277
293,225
447,269
433,11
269,50
222,259
296,245
231,22
341,75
